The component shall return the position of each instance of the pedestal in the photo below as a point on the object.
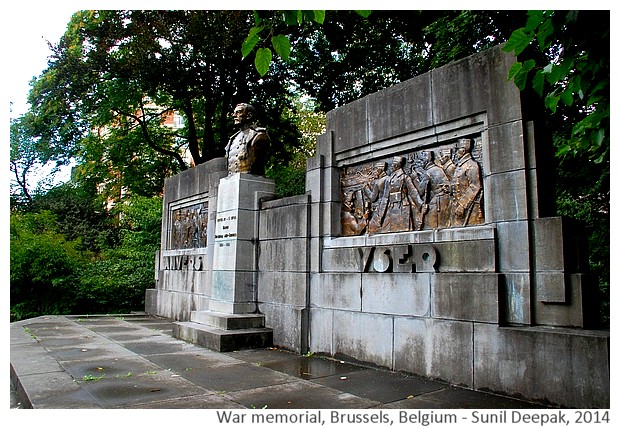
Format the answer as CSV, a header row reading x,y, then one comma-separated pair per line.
x,y
231,321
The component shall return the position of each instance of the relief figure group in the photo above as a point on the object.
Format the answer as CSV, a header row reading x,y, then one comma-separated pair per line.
x,y
439,191
189,228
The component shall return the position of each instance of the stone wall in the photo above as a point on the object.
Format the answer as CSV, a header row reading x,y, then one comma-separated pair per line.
x,y
500,304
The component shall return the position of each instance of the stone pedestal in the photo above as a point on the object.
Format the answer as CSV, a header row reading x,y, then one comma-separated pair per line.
x,y
231,321
235,268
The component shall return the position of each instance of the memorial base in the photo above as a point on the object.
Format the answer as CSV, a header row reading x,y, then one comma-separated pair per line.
x,y
224,332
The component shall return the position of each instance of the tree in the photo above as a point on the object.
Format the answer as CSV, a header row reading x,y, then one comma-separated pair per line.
x,y
358,56
116,74
568,54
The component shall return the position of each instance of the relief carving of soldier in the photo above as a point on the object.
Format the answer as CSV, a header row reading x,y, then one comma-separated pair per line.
x,y
353,221
438,215
246,149
401,208
373,191
466,188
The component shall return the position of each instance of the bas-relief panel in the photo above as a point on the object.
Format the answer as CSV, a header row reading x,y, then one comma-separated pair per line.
x,y
425,189
189,227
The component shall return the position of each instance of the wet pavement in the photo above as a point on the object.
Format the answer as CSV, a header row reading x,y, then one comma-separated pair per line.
x,y
133,362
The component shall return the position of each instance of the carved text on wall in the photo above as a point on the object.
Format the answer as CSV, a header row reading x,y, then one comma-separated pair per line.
x,y
427,189
189,227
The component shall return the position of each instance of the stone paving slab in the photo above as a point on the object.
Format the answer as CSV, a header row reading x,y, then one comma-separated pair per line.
x,y
132,361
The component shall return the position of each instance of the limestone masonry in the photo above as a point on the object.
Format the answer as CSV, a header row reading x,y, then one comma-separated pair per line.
x,y
424,243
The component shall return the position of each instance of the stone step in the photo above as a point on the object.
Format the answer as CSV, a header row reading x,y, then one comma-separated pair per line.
x,y
227,321
222,340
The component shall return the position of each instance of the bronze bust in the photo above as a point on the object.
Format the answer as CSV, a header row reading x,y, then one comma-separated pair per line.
x,y
245,151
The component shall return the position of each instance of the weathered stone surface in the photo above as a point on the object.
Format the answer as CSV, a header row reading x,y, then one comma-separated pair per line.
x,y
472,297
287,323
322,330
283,255
474,84
515,299
340,291
243,191
505,197
222,340
282,287
349,125
513,246
364,337
341,260
400,109
506,148
391,293
547,364
576,312
285,218
435,348
466,256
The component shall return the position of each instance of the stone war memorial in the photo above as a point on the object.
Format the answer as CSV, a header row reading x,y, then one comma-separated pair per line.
x,y
424,244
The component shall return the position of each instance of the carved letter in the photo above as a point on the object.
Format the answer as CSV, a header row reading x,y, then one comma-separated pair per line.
x,y
426,258
382,261
365,257
403,260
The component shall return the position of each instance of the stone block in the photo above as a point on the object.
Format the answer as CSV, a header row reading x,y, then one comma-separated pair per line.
x,y
573,312
339,291
476,84
232,254
228,321
559,366
222,340
558,246
286,322
286,221
243,191
551,287
321,330
505,197
403,108
150,301
349,125
283,255
466,256
515,299
364,337
282,288
233,286
392,293
438,349
505,148
471,297
341,260
513,246
478,232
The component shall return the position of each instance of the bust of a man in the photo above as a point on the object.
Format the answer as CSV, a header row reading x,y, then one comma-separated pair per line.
x,y
246,149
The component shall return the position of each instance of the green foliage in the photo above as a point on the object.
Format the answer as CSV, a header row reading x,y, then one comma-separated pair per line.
x,y
57,269
267,26
117,280
44,266
567,63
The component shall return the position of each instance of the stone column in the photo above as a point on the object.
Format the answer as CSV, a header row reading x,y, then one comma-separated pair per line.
x,y
235,265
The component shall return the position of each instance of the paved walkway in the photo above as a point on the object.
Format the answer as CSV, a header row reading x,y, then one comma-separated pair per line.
x,y
132,361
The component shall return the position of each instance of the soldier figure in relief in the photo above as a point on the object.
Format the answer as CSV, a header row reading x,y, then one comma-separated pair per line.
x,y
466,188
438,215
246,149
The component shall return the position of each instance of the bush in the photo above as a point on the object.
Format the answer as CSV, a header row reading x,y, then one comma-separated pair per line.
x,y
44,266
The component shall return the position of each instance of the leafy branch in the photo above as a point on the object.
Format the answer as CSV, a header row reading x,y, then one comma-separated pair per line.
x,y
570,76
265,34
